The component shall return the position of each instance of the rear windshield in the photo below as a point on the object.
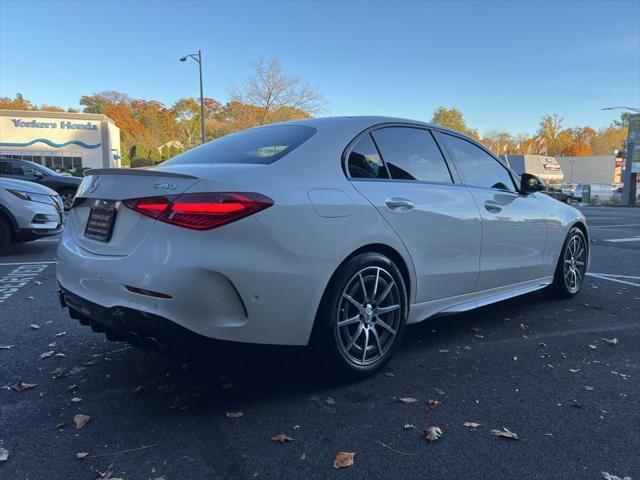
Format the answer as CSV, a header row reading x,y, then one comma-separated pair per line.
x,y
262,145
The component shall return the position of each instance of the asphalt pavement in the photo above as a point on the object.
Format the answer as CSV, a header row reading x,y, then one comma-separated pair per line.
x,y
539,368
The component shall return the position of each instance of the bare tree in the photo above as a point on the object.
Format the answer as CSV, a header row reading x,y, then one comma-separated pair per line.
x,y
277,94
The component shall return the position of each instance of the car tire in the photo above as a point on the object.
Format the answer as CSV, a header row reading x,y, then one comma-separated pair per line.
x,y
5,235
572,266
67,196
362,316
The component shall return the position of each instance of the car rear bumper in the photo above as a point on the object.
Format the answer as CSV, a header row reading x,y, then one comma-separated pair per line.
x,y
235,283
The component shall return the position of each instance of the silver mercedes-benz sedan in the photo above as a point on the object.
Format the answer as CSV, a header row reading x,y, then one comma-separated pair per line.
x,y
331,232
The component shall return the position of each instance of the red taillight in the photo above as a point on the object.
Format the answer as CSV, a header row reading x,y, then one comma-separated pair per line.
x,y
200,211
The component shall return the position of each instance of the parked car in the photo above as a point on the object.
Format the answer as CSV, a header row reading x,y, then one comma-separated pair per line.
x,y
65,185
27,211
558,194
599,193
330,232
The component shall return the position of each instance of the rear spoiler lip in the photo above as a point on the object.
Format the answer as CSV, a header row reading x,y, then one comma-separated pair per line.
x,y
137,172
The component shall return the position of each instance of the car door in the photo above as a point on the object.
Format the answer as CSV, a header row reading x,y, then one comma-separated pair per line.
x,y
403,173
514,226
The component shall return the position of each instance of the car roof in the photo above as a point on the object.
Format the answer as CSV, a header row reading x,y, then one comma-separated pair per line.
x,y
363,121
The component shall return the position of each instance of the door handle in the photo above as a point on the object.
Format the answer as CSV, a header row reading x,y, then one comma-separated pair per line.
x,y
399,204
492,206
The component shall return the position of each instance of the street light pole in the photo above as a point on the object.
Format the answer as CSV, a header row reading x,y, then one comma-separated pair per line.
x,y
198,58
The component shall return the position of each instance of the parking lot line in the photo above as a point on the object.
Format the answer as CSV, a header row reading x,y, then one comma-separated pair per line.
x,y
630,239
10,264
612,278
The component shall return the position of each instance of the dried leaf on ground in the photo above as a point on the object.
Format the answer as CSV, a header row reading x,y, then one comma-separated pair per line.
x,y
432,433
81,420
4,454
60,425
82,454
20,386
281,438
34,326
138,389
60,372
439,391
433,404
588,388
472,425
574,370
234,414
592,347
76,399
475,329
505,433
303,456
6,347
330,401
610,341
344,459
408,399
61,334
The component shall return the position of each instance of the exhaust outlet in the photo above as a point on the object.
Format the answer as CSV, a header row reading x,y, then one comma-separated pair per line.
x,y
152,344
134,339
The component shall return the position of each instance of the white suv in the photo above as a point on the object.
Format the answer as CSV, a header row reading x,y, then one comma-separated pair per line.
x,y
27,211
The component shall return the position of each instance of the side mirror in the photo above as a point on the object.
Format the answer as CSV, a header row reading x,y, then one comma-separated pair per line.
x,y
530,183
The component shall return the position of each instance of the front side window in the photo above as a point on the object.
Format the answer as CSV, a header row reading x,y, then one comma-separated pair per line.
x,y
364,160
478,168
412,154
5,168
26,170
262,145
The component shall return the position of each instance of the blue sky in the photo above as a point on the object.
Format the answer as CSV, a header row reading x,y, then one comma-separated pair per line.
x,y
504,64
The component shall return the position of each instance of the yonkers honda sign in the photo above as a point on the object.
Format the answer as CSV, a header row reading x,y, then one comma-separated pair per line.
x,y
63,124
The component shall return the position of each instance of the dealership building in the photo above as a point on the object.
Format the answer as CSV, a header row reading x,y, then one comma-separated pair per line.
x,y
60,140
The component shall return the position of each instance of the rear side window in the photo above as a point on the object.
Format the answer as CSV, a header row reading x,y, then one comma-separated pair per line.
x,y
412,154
479,169
262,145
364,160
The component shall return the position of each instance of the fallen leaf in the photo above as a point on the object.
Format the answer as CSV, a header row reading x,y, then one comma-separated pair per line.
x,y
477,335
6,347
61,334
60,425
409,426
81,420
4,454
472,425
34,326
408,399
344,459
610,341
574,370
475,329
76,399
60,372
303,456
432,433
592,347
234,414
330,401
443,350
439,391
433,404
281,438
82,454
588,388
388,374
20,386
505,433
138,389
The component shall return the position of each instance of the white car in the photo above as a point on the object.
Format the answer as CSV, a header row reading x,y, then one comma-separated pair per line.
x,y
27,211
335,232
